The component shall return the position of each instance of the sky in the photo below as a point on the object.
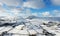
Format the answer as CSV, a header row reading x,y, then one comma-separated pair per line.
x,y
25,8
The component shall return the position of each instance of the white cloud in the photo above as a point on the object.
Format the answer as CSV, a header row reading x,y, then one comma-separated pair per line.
x,y
27,12
20,12
3,12
1,4
12,2
29,4
15,11
46,14
35,14
34,4
55,2
56,13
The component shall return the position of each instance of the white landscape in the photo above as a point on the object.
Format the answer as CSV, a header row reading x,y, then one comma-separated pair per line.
x,y
29,27
29,17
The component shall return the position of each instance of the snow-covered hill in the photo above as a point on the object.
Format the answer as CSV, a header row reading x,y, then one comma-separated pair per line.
x,y
40,26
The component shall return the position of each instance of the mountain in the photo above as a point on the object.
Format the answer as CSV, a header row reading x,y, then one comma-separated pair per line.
x,y
45,18
33,17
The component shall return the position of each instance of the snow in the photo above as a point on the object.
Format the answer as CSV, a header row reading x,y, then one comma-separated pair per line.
x,y
26,27
19,32
39,30
32,32
5,29
19,27
1,28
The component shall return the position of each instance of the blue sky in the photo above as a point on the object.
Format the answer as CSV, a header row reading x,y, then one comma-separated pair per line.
x,y
24,8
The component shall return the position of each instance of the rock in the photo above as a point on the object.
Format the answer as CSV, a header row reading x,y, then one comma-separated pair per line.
x,y
47,33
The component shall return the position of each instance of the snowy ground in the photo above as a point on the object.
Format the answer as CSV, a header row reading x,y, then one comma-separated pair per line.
x,y
31,27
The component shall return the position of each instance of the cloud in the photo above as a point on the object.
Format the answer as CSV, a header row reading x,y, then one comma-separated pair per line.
x,y
55,2
46,14
24,8
35,14
28,12
3,12
1,4
15,11
11,5
54,13
12,2
28,4
34,4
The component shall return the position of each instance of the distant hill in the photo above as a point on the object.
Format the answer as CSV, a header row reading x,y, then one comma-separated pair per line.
x,y
44,18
